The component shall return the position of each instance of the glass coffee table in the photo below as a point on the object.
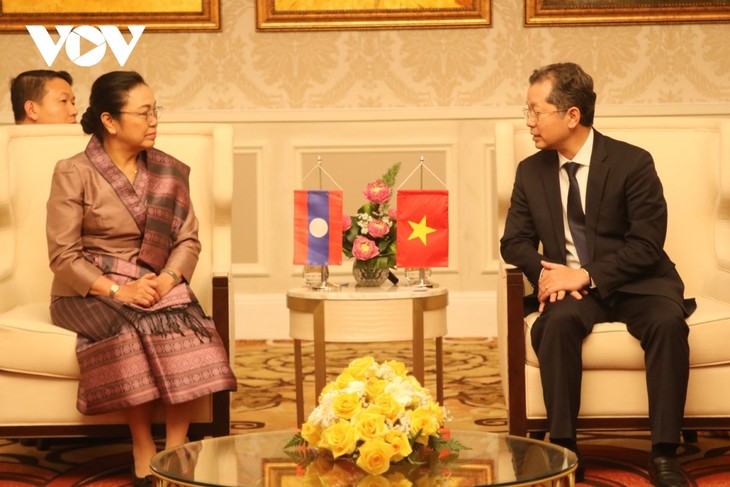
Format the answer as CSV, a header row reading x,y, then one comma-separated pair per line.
x,y
259,459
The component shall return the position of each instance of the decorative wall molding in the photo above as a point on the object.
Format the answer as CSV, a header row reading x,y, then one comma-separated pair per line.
x,y
446,113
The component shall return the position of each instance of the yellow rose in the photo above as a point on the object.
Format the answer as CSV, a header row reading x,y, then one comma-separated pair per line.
x,y
423,420
388,406
437,411
398,367
427,481
375,387
343,473
342,381
375,456
311,433
370,425
374,481
417,385
358,368
399,441
332,386
339,438
397,479
346,405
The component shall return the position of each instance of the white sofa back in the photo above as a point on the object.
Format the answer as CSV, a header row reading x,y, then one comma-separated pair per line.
x,y
692,157
28,155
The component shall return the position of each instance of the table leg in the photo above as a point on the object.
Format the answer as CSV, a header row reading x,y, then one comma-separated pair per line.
x,y
320,362
440,370
299,381
418,360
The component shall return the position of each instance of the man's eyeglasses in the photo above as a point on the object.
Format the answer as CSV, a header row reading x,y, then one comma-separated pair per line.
x,y
531,115
149,114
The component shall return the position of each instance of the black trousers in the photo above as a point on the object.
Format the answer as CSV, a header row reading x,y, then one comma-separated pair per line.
x,y
657,322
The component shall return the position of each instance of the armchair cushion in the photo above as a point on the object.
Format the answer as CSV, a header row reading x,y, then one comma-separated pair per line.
x,y
30,344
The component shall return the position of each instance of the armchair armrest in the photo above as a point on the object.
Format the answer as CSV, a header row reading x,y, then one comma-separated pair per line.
x,y
511,293
221,407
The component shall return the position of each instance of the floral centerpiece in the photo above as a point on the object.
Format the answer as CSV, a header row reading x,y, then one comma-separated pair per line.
x,y
375,423
370,235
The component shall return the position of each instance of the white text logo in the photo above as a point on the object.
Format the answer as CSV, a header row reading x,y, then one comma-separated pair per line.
x,y
99,38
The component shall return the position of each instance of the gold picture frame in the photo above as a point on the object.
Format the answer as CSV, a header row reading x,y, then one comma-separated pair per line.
x,y
295,15
594,12
280,473
155,15
284,473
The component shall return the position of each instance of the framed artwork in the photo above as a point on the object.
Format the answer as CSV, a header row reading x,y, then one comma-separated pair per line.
x,y
155,15
292,15
283,473
472,472
280,473
592,12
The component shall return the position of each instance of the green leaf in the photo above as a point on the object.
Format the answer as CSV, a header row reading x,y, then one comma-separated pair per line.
x,y
390,175
296,440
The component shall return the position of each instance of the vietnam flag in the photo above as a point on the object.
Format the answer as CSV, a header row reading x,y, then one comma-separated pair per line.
x,y
317,227
423,228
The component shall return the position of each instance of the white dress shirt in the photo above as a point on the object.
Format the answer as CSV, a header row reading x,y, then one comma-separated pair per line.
x,y
583,157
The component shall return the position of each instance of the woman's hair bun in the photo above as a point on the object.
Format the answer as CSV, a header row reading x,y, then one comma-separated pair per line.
x,y
90,121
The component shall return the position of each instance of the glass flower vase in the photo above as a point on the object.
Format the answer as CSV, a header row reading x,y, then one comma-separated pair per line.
x,y
365,277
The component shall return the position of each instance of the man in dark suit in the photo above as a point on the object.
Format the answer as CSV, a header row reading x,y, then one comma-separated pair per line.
x,y
601,223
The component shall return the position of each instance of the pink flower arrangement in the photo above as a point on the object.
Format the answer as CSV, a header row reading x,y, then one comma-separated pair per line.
x,y
377,192
378,228
370,235
363,248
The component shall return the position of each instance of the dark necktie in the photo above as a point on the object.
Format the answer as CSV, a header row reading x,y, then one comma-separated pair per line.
x,y
576,217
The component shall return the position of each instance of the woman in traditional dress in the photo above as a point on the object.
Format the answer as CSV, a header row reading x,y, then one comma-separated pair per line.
x,y
123,245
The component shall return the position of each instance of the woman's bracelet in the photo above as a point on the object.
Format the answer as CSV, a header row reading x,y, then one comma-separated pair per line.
x,y
172,274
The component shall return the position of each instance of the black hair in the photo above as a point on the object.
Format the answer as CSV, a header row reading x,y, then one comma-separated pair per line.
x,y
31,85
109,94
572,87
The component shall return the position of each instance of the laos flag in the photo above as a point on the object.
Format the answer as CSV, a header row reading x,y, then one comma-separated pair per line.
x,y
317,227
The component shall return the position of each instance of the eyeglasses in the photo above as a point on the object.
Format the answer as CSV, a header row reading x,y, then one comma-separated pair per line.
x,y
149,114
531,115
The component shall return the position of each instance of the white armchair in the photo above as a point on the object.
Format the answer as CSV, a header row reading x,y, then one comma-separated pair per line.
x,y
38,367
692,157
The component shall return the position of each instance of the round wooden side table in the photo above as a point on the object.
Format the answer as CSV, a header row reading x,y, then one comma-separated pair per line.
x,y
365,315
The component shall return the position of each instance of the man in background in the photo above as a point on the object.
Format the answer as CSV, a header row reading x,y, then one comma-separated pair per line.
x,y
43,96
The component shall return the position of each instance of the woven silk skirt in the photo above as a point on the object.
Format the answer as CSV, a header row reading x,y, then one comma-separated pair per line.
x,y
125,362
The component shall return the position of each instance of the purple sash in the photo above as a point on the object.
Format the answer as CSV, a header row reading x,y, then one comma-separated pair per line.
x,y
159,201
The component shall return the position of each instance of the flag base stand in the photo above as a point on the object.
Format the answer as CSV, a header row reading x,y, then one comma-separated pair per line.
x,y
326,287
418,277
315,277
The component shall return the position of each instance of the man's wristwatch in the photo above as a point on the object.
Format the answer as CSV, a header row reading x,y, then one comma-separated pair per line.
x,y
113,290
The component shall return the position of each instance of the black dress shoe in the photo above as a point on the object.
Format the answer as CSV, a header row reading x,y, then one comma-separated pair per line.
x,y
146,481
666,472
580,471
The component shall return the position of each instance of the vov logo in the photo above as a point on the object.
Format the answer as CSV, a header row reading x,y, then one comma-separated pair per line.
x,y
105,35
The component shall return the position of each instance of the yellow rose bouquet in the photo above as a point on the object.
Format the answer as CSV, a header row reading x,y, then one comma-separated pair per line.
x,y
371,418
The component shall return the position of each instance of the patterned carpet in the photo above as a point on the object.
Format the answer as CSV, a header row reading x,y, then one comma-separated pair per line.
x,y
265,372
265,400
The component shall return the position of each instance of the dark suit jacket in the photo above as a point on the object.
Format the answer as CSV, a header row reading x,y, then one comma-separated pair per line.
x,y
626,221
